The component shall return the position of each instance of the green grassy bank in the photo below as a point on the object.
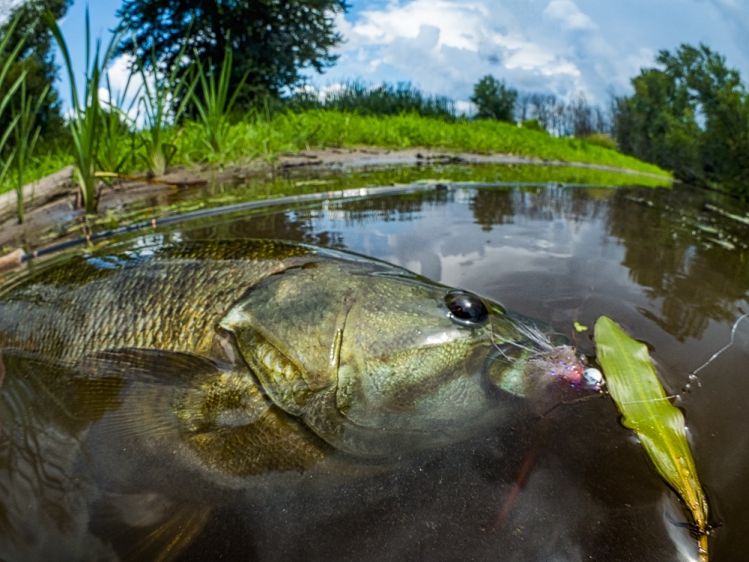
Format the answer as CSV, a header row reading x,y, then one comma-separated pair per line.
x,y
259,137
288,132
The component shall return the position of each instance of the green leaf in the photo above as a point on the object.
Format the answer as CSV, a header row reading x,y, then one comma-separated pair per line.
x,y
579,327
633,384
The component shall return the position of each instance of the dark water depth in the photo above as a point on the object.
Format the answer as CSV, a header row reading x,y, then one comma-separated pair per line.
x,y
671,266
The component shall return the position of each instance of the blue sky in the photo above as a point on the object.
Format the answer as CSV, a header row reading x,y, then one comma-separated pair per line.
x,y
558,46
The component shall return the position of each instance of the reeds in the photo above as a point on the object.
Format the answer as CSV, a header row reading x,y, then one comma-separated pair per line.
x,y
86,122
25,135
118,141
213,103
7,95
163,100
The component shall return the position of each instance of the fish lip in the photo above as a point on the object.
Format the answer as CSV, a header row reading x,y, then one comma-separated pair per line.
x,y
493,357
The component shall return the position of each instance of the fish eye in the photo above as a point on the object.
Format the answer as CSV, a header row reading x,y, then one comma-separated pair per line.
x,y
466,309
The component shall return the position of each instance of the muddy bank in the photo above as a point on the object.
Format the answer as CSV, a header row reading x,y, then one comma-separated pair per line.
x,y
51,202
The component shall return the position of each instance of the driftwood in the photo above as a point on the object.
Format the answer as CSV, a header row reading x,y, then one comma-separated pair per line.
x,y
39,192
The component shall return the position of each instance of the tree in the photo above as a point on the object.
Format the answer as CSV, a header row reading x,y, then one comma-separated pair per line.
x,y
691,115
494,100
36,59
271,40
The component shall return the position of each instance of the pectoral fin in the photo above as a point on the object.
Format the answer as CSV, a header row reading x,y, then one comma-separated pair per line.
x,y
214,417
152,366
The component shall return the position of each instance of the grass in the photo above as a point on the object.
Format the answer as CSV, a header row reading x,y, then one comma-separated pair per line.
x,y
266,137
288,132
25,136
213,104
7,94
85,124
159,92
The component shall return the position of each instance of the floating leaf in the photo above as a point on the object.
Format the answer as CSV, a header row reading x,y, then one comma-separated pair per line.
x,y
633,384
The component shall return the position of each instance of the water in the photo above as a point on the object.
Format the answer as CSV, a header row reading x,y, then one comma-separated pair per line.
x,y
670,266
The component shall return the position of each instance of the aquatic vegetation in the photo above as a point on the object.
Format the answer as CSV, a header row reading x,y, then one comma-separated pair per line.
x,y
632,381
25,136
159,92
86,121
214,104
118,139
7,96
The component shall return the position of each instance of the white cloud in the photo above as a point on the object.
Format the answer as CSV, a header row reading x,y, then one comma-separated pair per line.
x,y
445,46
456,24
556,46
125,87
567,12
120,71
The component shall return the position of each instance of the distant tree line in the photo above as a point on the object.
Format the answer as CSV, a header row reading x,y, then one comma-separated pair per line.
x,y
383,99
493,99
689,114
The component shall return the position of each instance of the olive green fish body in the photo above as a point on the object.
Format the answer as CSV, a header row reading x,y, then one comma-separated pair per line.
x,y
167,297
241,357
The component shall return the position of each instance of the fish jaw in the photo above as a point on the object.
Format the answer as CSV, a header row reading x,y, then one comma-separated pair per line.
x,y
544,378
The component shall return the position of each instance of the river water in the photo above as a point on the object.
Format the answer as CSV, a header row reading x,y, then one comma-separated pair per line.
x,y
671,266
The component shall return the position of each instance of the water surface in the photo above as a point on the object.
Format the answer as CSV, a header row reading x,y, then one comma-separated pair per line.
x,y
672,266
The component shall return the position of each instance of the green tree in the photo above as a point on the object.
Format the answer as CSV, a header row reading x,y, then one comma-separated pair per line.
x,y
272,40
494,100
690,114
36,59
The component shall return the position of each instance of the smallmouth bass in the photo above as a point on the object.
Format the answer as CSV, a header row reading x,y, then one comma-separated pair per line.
x,y
227,360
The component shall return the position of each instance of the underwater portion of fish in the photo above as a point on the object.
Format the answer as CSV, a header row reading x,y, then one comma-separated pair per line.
x,y
140,384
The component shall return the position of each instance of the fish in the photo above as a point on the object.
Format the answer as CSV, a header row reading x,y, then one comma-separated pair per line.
x,y
223,362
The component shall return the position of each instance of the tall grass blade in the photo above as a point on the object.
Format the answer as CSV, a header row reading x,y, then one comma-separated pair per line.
x,y
118,142
25,134
7,94
213,104
86,121
633,384
160,114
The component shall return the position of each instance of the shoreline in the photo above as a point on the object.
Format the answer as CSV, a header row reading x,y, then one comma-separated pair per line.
x,y
51,200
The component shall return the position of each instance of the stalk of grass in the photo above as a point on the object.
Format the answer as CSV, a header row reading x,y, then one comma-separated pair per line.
x,y
8,60
118,143
159,93
213,103
85,124
25,134
8,95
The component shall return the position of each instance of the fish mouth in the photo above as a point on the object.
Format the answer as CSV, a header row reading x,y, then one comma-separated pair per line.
x,y
536,364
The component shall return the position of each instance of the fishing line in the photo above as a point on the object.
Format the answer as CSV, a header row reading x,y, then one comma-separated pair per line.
x,y
693,378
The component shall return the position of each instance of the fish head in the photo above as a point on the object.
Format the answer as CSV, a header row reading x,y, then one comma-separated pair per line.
x,y
376,360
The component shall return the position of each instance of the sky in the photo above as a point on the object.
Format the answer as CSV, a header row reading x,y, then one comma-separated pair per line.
x,y
445,46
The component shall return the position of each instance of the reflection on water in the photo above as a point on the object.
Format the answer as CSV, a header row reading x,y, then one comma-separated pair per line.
x,y
663,263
